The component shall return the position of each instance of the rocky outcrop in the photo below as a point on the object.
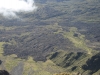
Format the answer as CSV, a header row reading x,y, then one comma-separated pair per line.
x,y
4,72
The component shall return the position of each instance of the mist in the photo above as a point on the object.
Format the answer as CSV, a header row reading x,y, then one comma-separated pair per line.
x,y
10,7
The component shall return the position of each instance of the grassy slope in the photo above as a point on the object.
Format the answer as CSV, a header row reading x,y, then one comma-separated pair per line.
x,y
48,67
79,41
30,66
74,62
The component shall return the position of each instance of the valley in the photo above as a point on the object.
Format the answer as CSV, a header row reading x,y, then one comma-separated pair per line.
x,y
60,36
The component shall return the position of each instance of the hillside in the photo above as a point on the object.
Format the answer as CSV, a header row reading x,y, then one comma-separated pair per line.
x,y
60,36
79,62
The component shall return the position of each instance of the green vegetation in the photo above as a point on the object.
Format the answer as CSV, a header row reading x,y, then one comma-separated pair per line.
x,y
30,66
1,48
75,37
7,28
63,74
78,40
60,36
79,63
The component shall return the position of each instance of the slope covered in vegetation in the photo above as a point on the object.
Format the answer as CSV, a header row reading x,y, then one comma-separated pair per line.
x,y
60,36
79,62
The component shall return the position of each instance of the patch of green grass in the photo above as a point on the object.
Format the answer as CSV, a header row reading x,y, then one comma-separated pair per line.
x,y
10,62
26,33
41,68
7,28
37,68
78,41
1,48
30,66
71,61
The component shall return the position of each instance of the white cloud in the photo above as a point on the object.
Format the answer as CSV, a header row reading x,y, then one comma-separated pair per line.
x,y
10,7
